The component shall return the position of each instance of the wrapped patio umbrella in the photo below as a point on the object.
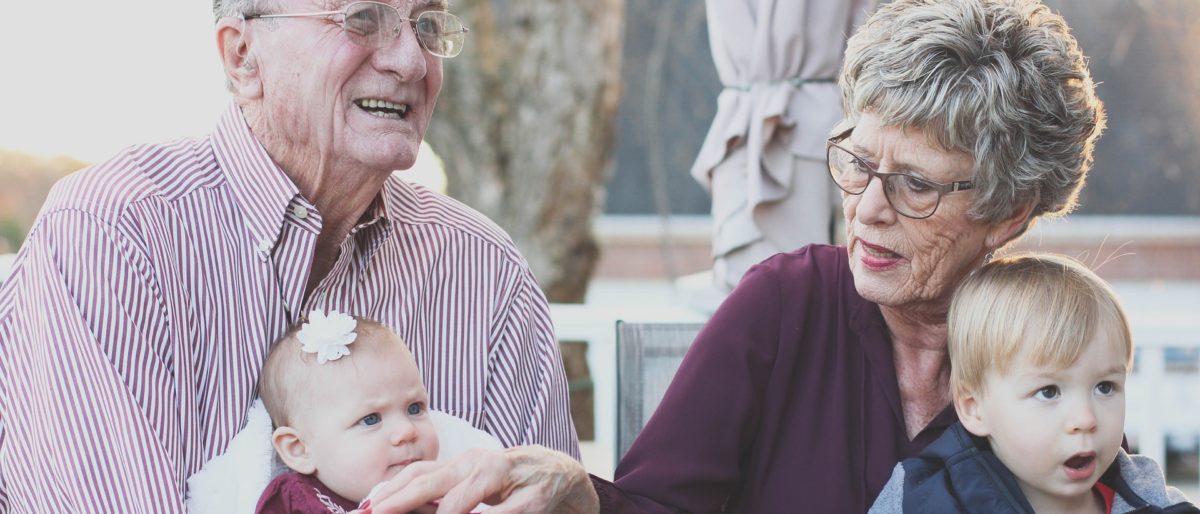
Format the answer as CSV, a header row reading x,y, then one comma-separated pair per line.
x,y
763,160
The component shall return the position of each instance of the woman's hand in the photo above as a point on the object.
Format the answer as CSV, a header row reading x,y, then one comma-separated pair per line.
x,y
517,480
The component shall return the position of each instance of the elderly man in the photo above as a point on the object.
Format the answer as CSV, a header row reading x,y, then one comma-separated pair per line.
x,y
133,327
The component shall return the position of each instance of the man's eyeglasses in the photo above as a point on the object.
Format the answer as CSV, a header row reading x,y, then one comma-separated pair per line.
x,y
911,196
376,25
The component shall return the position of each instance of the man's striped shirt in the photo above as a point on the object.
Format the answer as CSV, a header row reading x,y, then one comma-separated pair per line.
x,y
139,310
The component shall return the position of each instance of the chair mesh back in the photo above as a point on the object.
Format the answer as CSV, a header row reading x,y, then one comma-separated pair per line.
x,y
648,354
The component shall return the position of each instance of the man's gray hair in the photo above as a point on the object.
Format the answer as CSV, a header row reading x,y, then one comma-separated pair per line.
x,y
233,8
1002,80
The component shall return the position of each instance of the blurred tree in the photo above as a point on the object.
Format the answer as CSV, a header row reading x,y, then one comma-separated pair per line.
x,y
12,233
525,127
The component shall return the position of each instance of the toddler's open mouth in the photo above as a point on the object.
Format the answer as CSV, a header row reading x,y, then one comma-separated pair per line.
x,y
1080,466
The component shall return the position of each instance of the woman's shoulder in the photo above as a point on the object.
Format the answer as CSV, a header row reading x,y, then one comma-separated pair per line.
x,y
808,293
816,268
813,256
809,290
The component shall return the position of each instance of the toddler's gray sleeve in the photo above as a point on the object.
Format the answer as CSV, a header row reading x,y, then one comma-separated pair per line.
x,y
891,499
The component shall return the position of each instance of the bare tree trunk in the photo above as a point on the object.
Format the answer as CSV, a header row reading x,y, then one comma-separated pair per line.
x,y
525,126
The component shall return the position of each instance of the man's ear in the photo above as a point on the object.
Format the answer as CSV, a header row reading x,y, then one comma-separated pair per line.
x,y
970,413
241,72
1003,231
292,450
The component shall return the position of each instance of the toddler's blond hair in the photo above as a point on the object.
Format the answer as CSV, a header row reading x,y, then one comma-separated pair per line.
x,y
1051,304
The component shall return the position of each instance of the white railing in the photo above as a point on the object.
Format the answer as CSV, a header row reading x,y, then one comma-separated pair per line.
x,y
1162,402
1163,395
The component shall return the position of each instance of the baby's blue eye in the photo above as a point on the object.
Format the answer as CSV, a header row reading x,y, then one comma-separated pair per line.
x,y
415,409
370,419
1047,393
1106,388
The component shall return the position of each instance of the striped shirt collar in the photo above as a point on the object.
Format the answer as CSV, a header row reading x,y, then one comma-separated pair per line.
x,y
266,194
375,226
259,186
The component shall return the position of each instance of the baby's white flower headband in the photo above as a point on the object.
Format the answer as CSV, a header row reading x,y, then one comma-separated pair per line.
x,y
327,335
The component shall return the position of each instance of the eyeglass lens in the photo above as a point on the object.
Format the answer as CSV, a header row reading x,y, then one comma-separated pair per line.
x,y
909,195
374,25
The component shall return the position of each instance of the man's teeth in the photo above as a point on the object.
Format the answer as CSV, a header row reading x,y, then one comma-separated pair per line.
x,y
384,104
383,108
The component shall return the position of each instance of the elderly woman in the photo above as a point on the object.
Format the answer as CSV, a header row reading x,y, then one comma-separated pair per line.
x,y
967,120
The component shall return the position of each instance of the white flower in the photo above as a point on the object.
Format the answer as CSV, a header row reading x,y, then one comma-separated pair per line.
x,y
327,335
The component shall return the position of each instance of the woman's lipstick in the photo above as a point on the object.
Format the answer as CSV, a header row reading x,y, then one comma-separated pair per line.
x,y
877,258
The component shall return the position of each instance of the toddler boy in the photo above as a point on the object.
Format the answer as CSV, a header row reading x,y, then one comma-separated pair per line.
x,y
1040,349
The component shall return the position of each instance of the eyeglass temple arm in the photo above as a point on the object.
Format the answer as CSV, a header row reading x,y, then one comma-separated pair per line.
x,y
326,13
291,15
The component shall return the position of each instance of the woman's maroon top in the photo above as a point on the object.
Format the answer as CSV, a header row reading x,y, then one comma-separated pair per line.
x,y
787,402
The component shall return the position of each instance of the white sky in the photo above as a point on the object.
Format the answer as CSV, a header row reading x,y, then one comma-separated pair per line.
x,y
87,78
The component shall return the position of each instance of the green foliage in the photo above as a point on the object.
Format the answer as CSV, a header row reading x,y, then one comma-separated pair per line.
x,y
12,234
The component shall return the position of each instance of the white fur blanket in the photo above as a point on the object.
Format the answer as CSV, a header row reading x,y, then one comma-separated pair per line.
x,y
233,481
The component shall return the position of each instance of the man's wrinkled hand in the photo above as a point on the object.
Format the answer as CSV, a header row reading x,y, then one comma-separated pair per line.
x,y
523,479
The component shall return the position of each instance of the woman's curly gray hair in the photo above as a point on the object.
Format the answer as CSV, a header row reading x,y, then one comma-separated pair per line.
x,y
1002,80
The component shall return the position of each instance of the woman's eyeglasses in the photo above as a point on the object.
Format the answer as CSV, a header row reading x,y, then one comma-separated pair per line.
x,y
376,25
911,196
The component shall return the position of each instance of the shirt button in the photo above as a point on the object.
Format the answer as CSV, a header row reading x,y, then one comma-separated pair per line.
x,y
300,212
264,246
